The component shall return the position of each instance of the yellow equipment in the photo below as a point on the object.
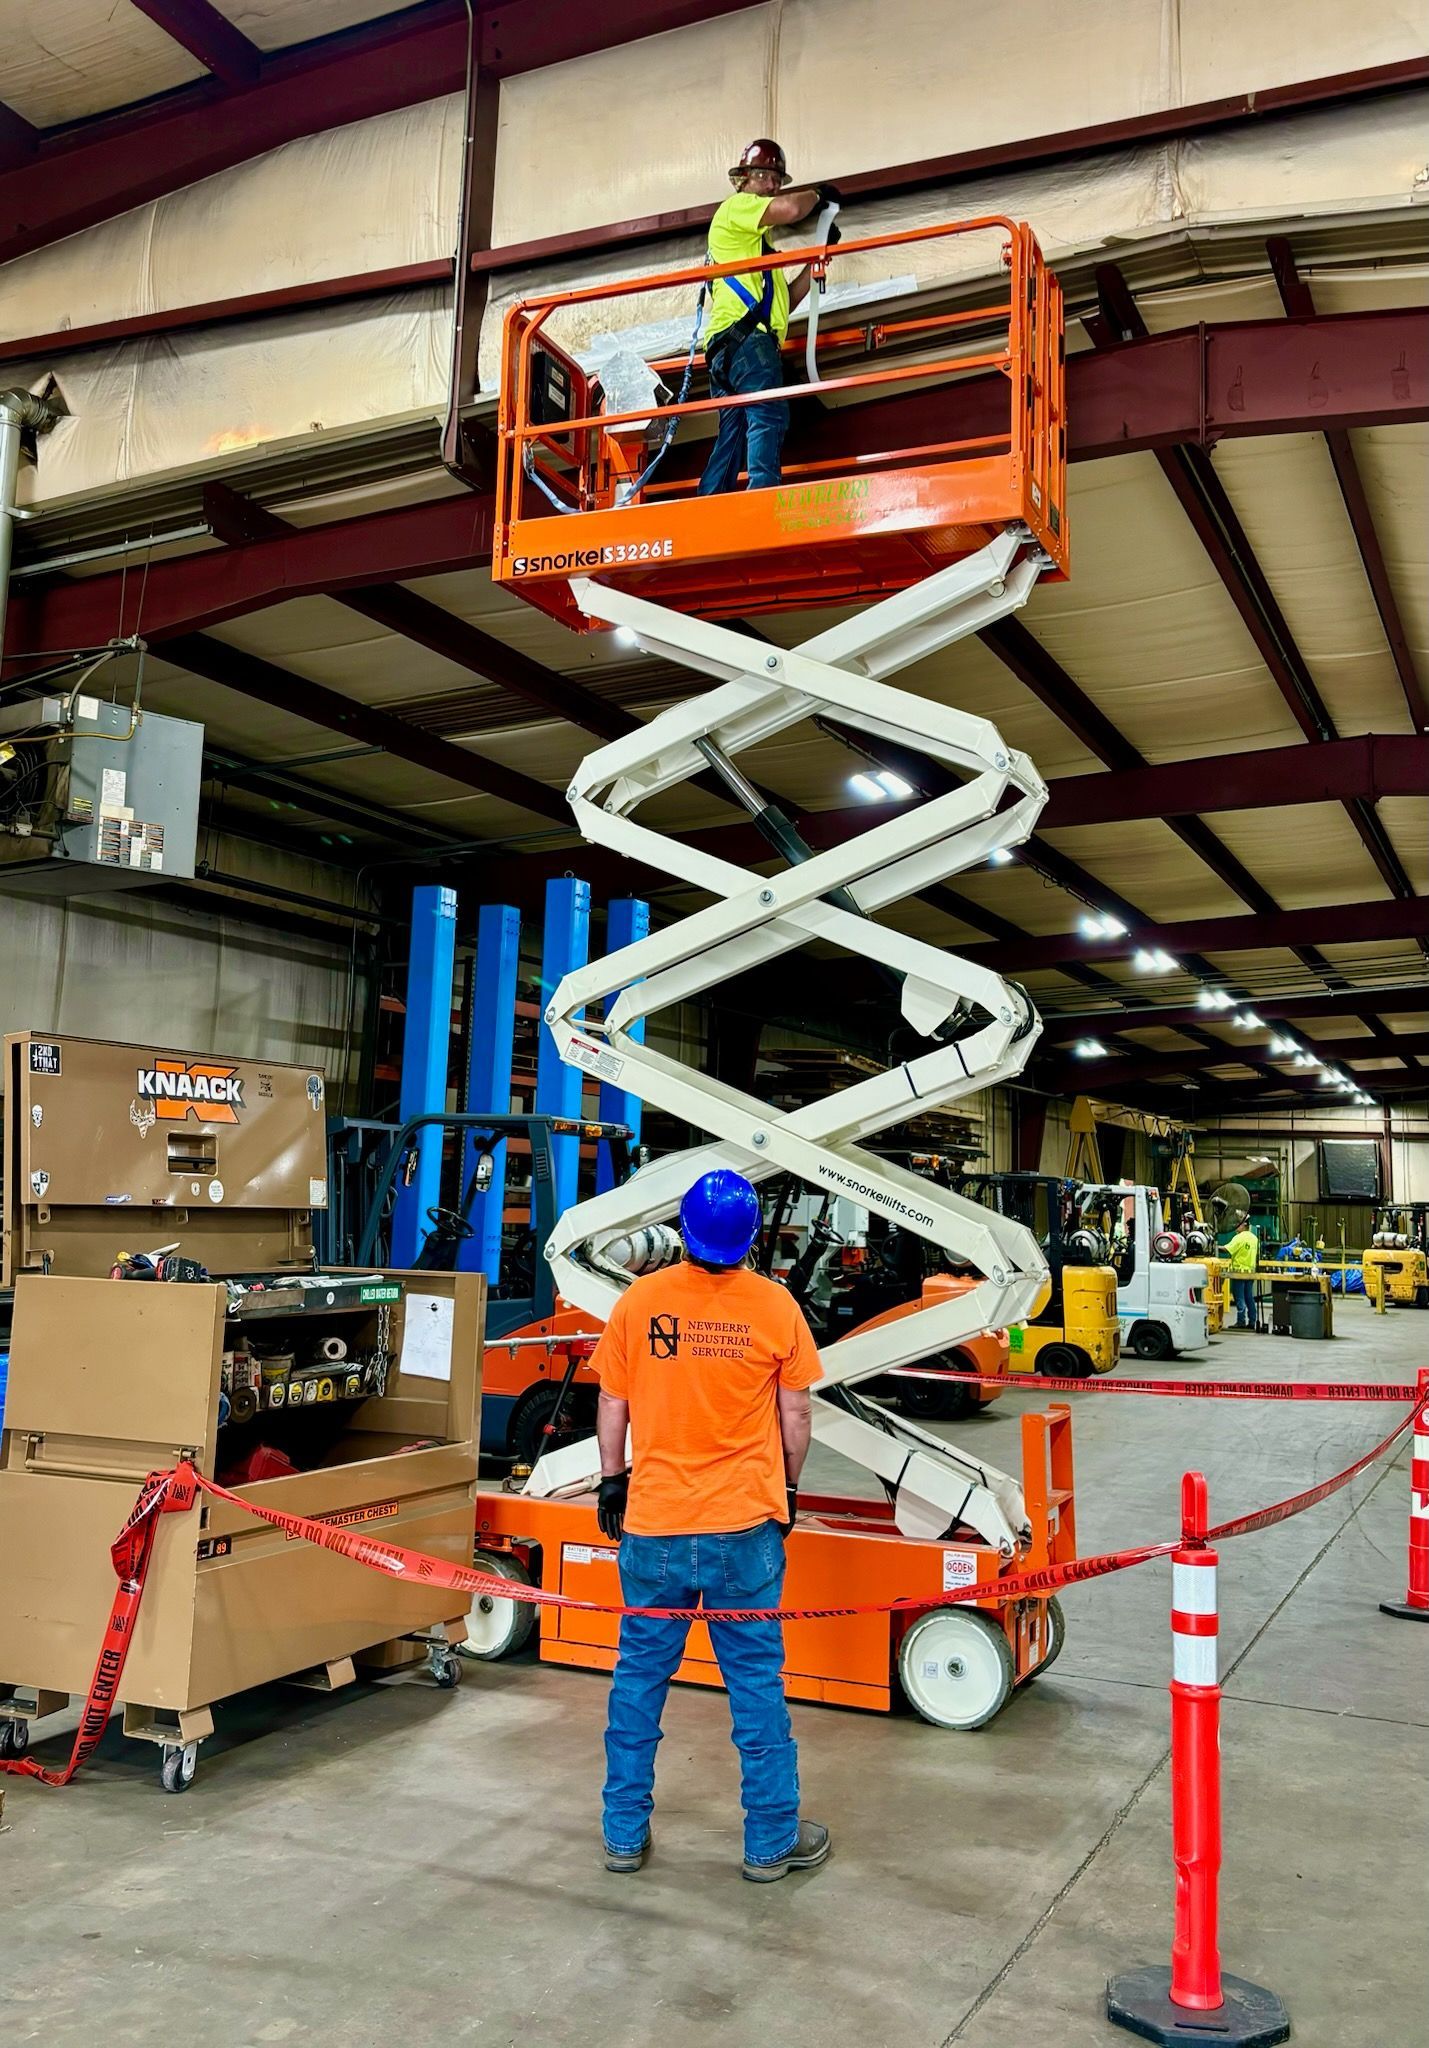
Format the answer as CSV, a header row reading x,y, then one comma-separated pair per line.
x,y
1084,1163
1398,1255
1074,1330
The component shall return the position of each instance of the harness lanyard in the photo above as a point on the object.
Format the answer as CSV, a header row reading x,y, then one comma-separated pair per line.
x,y
811,338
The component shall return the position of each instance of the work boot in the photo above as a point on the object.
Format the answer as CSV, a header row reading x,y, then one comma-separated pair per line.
x,y
627,1861
809,1850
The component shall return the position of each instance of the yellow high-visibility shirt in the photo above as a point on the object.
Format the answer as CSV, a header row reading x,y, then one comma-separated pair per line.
x,y
735,236
1244,1251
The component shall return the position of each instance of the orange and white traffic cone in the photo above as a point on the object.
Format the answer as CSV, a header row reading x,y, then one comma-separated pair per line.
x,y
1415,1604
1195,2002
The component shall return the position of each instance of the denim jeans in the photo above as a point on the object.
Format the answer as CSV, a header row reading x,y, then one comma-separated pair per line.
x,y
1243,1295
750,436
741,1571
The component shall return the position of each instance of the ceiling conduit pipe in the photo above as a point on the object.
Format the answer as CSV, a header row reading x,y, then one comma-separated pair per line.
x,y
18,410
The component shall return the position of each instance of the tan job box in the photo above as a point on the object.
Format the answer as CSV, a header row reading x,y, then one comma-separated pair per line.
x,y
111,1379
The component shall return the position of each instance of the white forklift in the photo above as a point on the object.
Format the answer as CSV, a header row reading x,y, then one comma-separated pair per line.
x,y
1160,1293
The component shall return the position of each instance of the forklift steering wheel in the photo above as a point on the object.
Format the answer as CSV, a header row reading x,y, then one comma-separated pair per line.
x,y
451,1224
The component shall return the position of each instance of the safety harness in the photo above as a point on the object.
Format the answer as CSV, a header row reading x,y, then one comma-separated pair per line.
x,y
756,315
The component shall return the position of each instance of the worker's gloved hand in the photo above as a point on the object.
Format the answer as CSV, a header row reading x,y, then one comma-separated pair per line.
x,y
835,234
786,1529
830,195
610,1505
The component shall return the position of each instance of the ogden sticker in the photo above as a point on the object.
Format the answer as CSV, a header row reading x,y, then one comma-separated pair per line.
x,y
596,1060
352,1518
198,1088
959,1569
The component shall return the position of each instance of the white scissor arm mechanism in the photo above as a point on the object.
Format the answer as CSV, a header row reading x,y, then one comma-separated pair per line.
x,y
980,1029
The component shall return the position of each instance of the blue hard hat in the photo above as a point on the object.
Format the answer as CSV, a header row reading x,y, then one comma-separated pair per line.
x,y
719,1218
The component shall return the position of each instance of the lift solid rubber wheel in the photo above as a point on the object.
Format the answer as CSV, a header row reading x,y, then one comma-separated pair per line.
x,y
1063,1362
1056,1635
14,1738
956,1668
177,1763
1151,1340
498,1628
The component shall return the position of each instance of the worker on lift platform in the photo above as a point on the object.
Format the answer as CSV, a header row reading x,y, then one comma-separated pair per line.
x,y
749,316
709,1366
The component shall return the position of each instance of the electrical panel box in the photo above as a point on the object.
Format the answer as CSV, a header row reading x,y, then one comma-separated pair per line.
x,y
96,796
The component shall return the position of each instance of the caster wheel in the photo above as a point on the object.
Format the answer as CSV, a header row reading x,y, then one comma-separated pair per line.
x,y
495,1627
956,1668
14,1738
177,1764
1056,1635
445,1666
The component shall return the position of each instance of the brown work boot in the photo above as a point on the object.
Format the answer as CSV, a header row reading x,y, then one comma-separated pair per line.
x,y
809,1850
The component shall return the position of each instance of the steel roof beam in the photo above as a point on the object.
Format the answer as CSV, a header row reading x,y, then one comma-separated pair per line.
x,y
195,591
207,35
217,662
1410,999
1204,499
1330,924
1299,304
18,140
238,520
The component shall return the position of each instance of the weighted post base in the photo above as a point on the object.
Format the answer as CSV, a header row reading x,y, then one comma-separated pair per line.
x,y
1251,2017
1402,1611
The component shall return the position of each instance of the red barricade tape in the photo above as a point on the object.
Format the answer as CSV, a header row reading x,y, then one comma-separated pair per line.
x,y
1197,1390
176,1491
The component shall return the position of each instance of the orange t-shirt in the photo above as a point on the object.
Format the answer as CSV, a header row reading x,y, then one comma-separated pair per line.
x,y
700,1358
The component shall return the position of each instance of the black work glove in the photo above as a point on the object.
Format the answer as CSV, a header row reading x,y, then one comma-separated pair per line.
x,y
835,234
830,195
610,1505
786,1529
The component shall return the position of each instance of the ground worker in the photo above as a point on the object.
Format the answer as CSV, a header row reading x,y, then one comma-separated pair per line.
x,y
709,1366
1243,1250
749,316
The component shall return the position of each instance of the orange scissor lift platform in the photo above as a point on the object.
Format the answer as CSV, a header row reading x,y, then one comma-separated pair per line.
x,y
844,1552
838,529
576,498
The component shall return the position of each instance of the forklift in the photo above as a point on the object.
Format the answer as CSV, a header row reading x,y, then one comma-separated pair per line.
x,y
1160,1294
858,1271
1399,1252
1076,1331
537,1385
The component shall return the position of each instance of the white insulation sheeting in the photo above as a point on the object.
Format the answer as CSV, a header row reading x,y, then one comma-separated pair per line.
x,y
650,126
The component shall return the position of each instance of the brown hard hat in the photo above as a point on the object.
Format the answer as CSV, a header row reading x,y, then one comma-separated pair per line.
x,y
761,155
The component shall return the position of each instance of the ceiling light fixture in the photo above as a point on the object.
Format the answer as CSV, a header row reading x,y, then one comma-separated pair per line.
x,y
867,788
1089,1049
895,786
626,636
999,857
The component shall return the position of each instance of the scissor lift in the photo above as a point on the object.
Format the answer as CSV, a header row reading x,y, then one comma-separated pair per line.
x,y
948,536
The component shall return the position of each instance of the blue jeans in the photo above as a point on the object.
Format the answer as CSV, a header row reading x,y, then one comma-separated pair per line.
x,y
1243,1295
750,436
741,1571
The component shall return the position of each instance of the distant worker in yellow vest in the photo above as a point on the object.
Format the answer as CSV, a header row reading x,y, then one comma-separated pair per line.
x,y
749,316
1243,1251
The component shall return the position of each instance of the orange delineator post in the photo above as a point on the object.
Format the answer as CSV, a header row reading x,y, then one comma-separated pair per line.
x,y
908,509
1155,2003
1415,1604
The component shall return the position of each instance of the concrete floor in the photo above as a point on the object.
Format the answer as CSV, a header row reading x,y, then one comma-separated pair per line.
x,y
396,1860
